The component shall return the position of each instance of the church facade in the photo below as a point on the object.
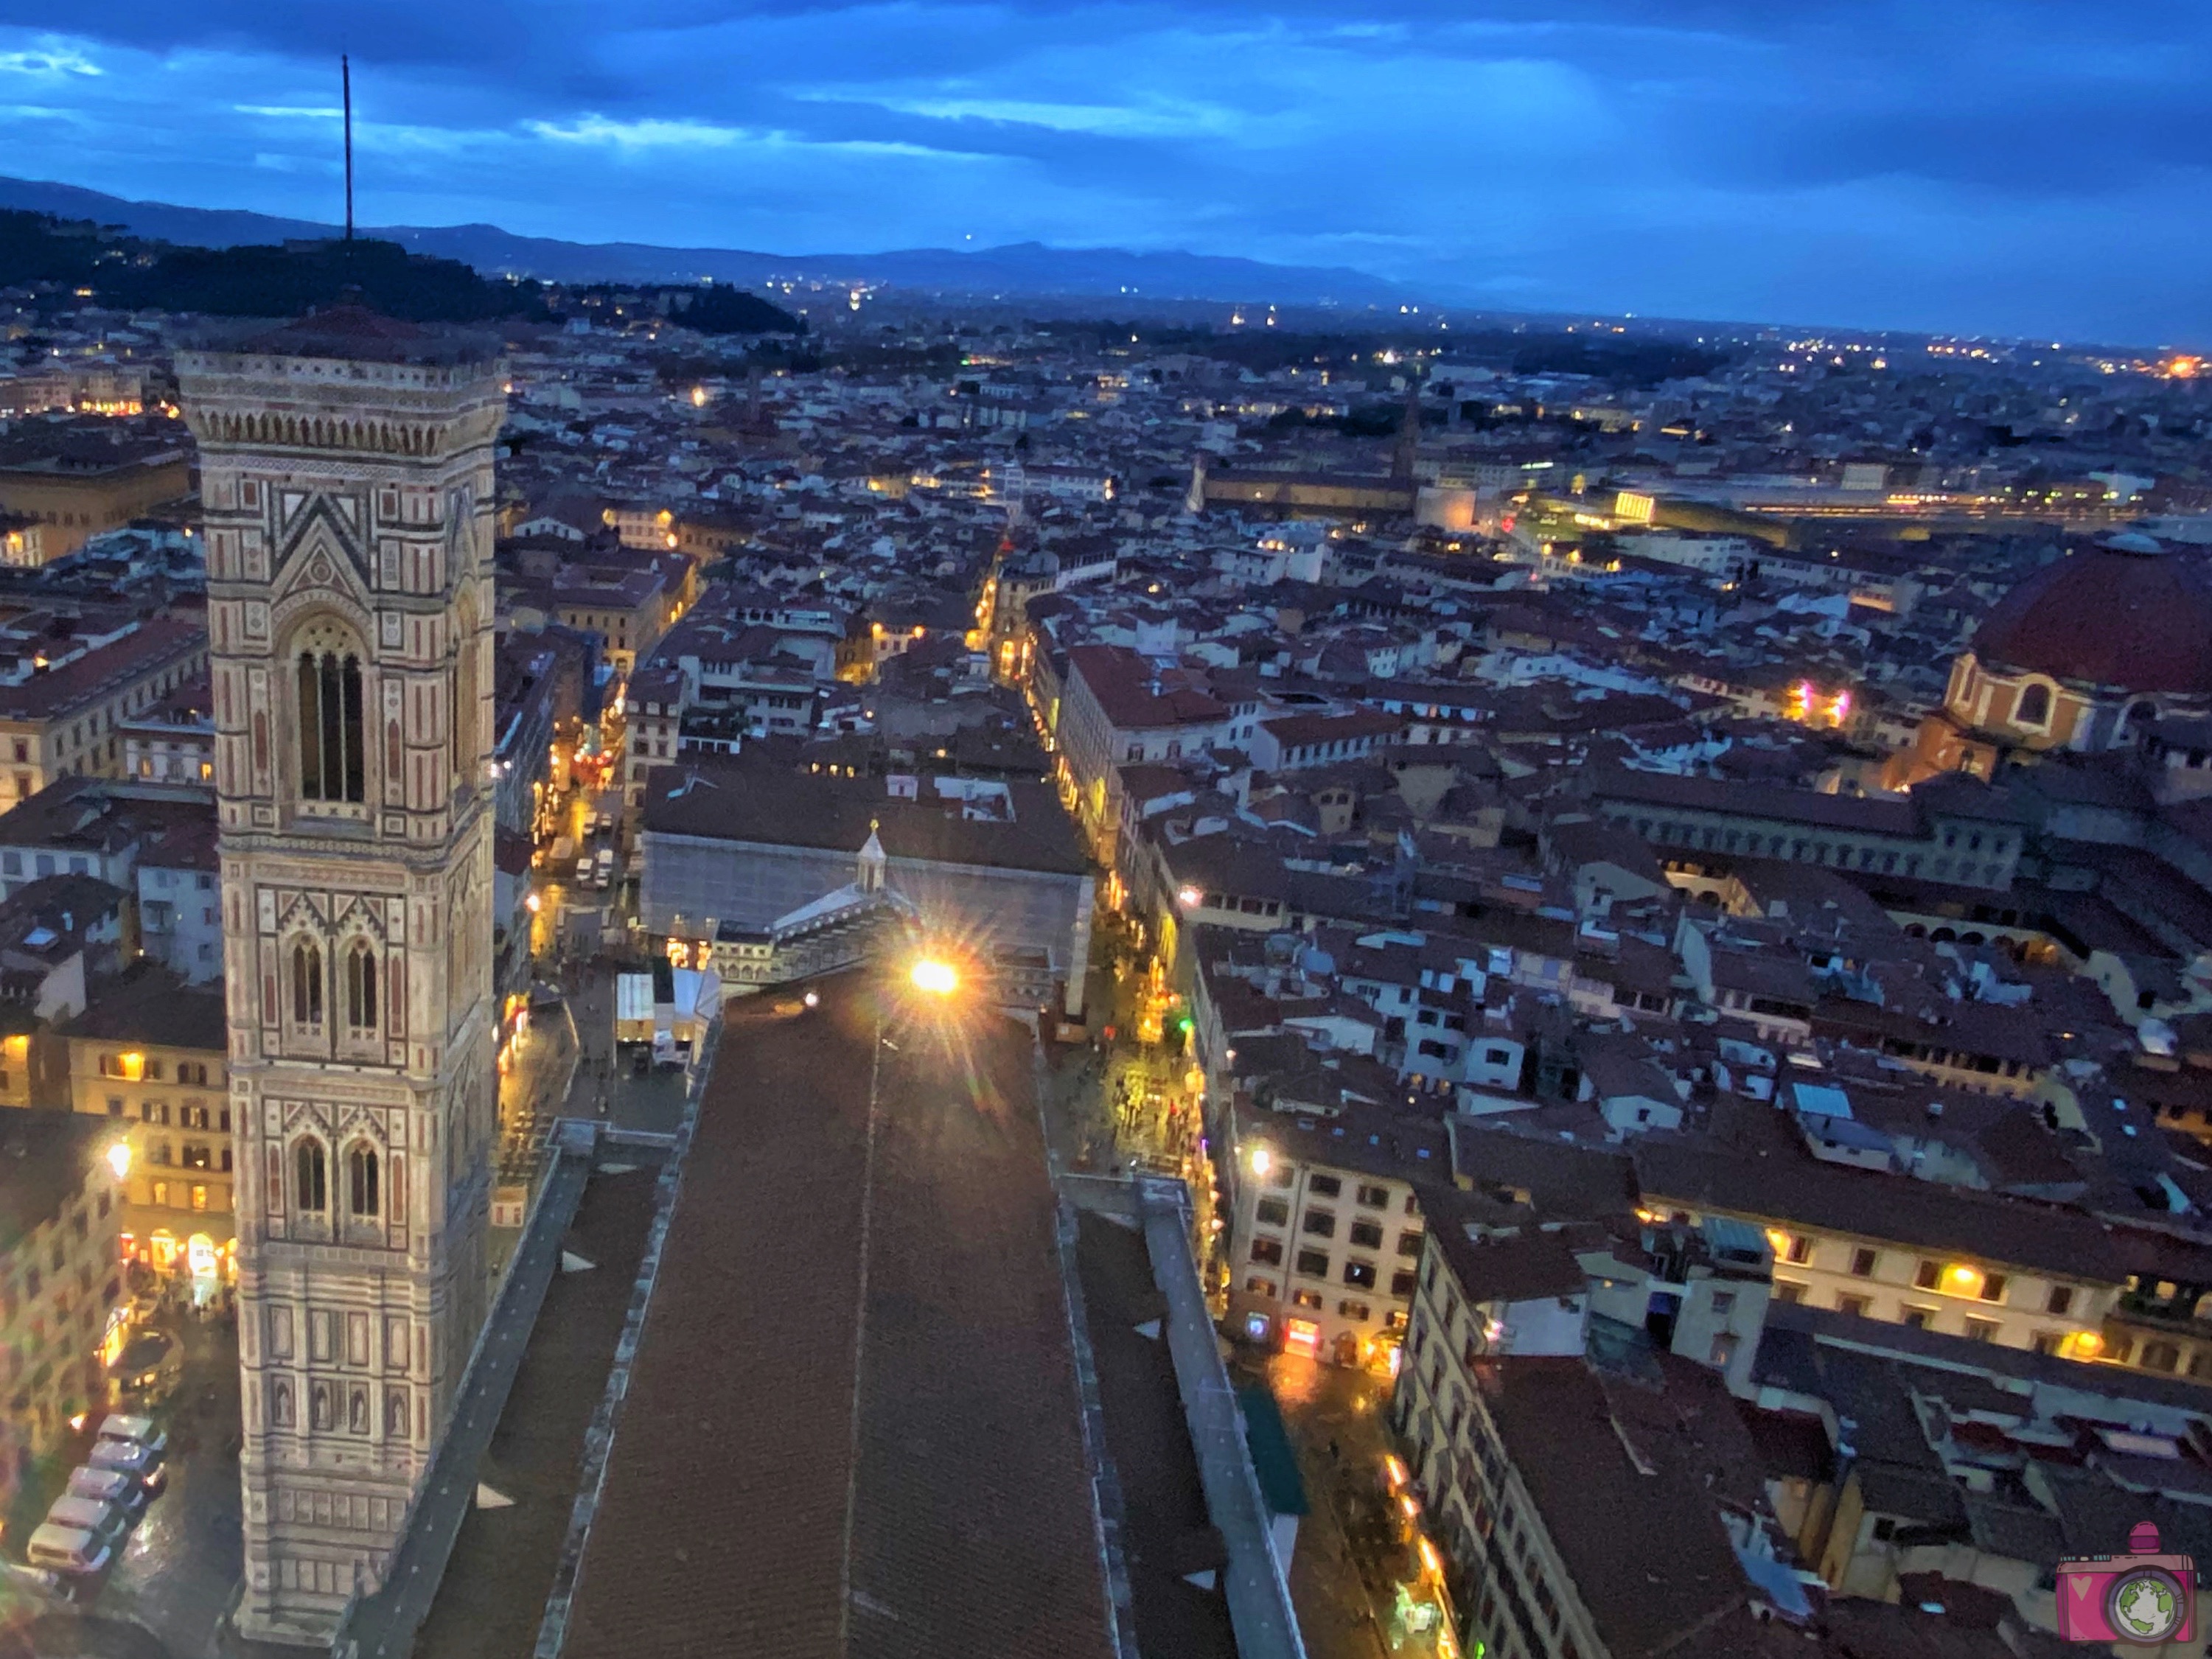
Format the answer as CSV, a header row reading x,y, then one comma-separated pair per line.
x,y
346,473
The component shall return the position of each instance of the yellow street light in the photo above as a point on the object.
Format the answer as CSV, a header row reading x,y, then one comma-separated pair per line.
x,y
1263,1159
118,1158
937,978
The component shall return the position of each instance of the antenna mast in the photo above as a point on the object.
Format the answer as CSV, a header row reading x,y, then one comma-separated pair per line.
x,y
345,79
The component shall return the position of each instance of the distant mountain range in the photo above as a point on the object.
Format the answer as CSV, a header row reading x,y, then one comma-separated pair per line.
x,y
1018,269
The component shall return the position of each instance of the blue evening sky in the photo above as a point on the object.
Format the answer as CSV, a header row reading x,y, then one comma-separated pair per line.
x,y
2024,167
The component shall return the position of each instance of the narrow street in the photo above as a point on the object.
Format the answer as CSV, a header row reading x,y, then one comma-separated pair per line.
x,y
1352,1552
1110,1105
185,1560
167,1596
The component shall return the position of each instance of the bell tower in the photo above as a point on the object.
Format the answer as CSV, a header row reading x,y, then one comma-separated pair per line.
x,y
346,475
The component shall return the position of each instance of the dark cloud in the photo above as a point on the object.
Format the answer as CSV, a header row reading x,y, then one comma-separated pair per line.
x,y
2004,164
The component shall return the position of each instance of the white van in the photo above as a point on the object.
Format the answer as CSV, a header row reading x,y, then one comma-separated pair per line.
x,y
108,1486
102,1519
138,1430
67,1549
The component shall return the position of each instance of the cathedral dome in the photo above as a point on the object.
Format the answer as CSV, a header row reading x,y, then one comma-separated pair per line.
x,y
2124,613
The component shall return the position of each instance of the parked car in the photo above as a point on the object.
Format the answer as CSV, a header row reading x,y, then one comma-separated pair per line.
x,y
68,1550
109,1486
583,870
148,1364
128,1457
138,1430
95,1516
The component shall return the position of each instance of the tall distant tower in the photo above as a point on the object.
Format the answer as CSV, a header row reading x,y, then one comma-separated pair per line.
x,y
346,473
1408,449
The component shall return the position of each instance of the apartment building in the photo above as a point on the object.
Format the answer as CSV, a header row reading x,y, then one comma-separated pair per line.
x,y
1959,832
78,489
628,609
172,740
1546,1479
148,1057
1916,1252
61,1274
1325,1232
1117,707
66,719
97,827
180,893
652,704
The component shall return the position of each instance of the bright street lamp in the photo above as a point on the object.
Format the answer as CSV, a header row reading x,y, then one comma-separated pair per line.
x,y
118,1158
937,978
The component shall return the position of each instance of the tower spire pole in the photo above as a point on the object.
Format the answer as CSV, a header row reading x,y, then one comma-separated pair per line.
x,y
345,80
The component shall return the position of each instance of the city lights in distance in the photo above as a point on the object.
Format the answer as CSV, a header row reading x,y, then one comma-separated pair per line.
x,y
937,978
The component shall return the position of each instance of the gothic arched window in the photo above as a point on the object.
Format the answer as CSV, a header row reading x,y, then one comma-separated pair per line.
x,y
306,983
331,765
362,1195
310,1176
2034,706
361,986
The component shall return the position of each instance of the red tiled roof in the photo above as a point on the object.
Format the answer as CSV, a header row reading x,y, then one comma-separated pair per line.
x,y
2111,616
1328,728
354,333
103,671
1135,696
754,1505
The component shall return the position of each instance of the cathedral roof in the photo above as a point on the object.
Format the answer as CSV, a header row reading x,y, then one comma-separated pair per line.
x,y
2124,613
353,333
